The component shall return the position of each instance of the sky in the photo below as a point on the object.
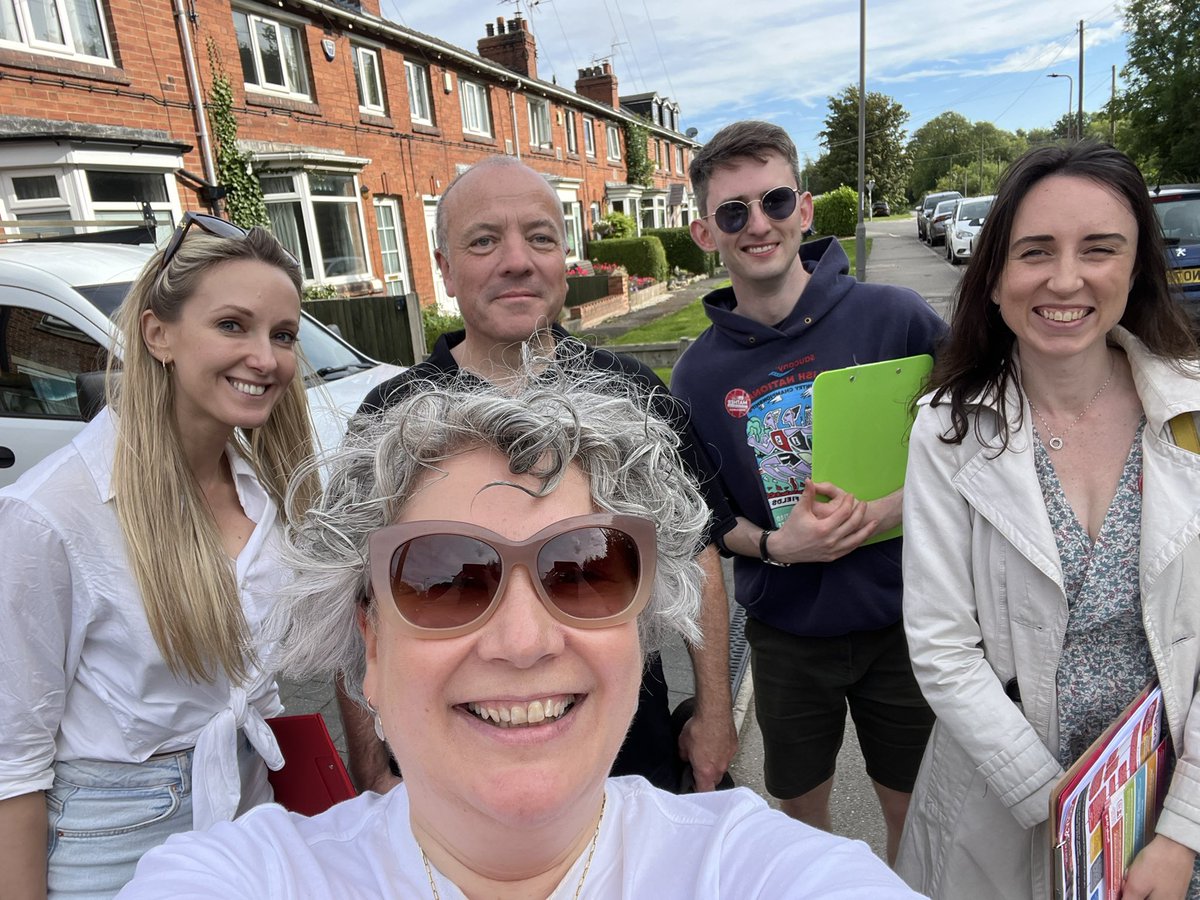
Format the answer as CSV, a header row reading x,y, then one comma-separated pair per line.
x,y
780,60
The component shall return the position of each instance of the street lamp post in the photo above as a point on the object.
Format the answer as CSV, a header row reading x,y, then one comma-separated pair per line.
x,y
860,231
1070,95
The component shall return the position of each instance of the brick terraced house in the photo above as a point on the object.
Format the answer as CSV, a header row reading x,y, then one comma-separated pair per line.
x,y
353,126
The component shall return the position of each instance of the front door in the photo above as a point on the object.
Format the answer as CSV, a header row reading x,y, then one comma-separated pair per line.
x,y
396,280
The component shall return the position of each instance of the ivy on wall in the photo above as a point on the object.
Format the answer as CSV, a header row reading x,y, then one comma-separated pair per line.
x,y
244,204
638,168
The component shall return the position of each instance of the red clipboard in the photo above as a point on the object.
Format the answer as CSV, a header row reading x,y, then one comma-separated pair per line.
x,y
313,777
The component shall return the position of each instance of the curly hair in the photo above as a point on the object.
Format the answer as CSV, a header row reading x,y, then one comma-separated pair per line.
x,y
555,415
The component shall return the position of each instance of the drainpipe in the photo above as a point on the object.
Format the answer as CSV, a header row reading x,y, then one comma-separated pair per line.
x,y
193,79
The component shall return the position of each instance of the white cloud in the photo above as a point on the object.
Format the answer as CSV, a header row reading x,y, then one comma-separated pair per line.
x,y
783,59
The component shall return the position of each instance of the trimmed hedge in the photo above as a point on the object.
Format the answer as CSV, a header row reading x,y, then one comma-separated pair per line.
x,y
640,256
836,212
682,251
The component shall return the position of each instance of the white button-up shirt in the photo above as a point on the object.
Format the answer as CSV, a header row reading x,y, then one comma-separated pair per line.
x,y
81,676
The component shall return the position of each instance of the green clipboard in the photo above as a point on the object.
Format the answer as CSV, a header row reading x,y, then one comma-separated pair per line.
x,y
861,419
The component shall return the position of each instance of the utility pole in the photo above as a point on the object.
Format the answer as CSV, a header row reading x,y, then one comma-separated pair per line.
x,y
981,165
860,231
1112,109
1079,108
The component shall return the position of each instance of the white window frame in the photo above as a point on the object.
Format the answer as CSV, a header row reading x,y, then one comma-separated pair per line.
x,y
25,39
476,110
540,135
280,26
417,78
303,194
679,159
589,135
361,55
572,135
612,142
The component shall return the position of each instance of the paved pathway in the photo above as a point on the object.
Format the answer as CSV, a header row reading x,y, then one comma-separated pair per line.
x,y
897,257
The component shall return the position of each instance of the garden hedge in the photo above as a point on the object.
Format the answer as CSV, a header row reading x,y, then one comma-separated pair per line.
x,y
640,256
836,212
682,251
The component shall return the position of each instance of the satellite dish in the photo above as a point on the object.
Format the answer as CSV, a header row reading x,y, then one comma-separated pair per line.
x,y
692,132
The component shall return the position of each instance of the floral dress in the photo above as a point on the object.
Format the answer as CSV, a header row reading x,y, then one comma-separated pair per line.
x,y
1105,658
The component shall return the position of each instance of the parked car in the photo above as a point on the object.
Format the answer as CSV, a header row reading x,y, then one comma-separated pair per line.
x,y
1178,208
56,300
963,225
938,221
925,211
880,208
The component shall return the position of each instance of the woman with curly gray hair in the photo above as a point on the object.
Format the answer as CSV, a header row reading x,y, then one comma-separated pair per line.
x,y
491,565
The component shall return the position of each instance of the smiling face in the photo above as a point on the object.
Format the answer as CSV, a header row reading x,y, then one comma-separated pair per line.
x,y
232,349
505,254
766,251
564,696
1069,268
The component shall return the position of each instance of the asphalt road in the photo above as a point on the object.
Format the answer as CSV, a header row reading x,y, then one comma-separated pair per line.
x,y
897,257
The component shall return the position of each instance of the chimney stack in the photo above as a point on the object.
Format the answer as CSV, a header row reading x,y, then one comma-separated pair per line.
x,y
512,47
598,83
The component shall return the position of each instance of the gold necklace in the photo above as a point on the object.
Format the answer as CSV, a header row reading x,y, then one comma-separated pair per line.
x,y
1056,440
587,864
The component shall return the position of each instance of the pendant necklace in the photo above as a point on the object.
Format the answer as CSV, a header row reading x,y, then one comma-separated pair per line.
x,y
1056,440
587,865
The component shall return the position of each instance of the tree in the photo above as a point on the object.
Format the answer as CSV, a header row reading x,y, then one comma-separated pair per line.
x,y
950,152
935,147
885,160
1162,99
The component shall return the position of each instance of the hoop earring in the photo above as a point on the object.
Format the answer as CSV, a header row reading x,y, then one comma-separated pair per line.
x,y
378,721
166,365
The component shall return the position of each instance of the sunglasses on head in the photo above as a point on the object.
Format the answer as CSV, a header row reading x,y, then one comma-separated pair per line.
x,y
777,203
213,225
446,579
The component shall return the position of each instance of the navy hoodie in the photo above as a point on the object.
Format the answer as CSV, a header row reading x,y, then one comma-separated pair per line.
x,y
744,380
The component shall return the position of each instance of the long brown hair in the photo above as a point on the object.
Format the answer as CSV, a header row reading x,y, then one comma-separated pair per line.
x,y
977,356
175,552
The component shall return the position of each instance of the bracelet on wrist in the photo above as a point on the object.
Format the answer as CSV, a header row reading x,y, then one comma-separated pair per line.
x,y
765,554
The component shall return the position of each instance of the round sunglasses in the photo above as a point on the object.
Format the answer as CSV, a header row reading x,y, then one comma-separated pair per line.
x,y
777,203
446,579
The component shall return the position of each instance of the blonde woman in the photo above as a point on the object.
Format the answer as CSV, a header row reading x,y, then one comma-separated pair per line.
x,y
142,562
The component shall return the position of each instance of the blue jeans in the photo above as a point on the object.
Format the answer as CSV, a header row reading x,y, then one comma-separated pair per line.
x,y
103,816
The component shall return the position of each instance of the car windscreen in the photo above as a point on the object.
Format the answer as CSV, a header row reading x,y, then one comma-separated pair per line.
x,y
975,210
944,207
1180,219
329,357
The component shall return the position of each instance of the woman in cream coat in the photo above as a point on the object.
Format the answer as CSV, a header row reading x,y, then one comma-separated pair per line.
x,y
1037,367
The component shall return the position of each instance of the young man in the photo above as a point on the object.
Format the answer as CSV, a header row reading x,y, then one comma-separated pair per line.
x,y
502,253
823,611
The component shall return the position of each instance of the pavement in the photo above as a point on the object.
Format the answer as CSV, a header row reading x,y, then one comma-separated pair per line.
x,y
896,257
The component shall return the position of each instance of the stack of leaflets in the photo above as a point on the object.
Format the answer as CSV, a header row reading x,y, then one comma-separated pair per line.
x,y
1104,809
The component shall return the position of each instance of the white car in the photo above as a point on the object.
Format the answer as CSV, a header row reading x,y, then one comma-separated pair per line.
x,y
55,304
964,225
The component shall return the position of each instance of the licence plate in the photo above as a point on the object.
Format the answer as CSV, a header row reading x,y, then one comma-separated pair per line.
x,y
1185,276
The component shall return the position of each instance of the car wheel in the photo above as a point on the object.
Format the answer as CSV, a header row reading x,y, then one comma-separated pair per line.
x,y
949,253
